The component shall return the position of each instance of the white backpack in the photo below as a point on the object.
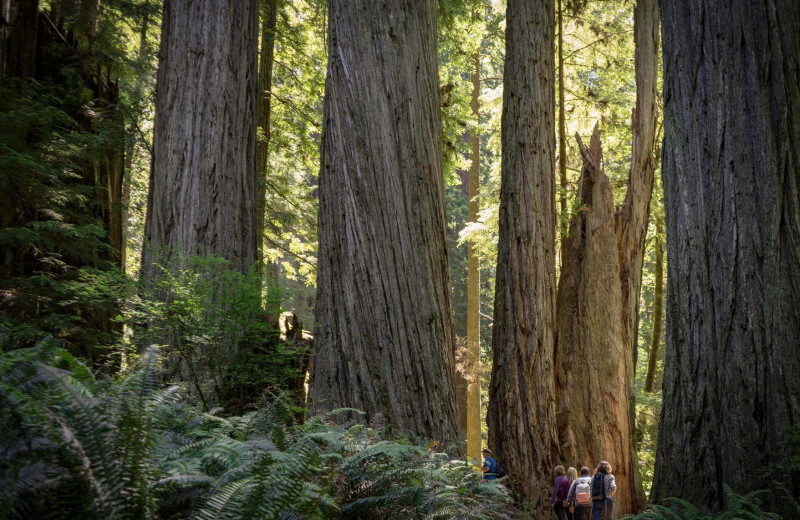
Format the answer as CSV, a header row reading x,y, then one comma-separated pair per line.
x,y
583,491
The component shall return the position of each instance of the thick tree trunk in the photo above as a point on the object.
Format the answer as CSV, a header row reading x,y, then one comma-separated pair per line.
x,y
593,363
384,328
521,412
731,173
474,278
203,187
658,309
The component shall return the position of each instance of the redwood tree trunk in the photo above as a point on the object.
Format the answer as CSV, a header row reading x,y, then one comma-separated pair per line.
x,y
384,334
731,173
521,412
203,186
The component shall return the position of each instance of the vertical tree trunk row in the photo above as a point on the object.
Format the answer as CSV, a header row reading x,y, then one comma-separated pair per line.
x,y
731,173
521,412
203,187
384,328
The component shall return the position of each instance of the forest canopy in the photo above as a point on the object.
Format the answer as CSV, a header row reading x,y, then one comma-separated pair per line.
x,y
403,259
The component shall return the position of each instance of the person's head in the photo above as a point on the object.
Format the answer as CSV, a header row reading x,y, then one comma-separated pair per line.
x,y
604,468
572,474
558,470
584,471
486,453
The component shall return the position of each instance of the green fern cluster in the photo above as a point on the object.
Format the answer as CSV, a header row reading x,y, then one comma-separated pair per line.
x,y
738,507
75,447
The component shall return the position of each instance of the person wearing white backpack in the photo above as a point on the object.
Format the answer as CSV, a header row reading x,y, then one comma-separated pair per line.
x,y
580,495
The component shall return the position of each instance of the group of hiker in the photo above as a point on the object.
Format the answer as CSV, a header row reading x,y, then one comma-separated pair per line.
x,y
584,497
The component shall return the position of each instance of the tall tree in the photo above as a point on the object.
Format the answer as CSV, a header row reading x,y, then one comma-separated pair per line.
x,y
474,276
384,330
265,63
596,318
731,171
203,187
658,309
521,412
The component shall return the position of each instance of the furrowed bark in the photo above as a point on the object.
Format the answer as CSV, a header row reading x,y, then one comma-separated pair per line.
x,y
521,412
384,339
731,171
203,187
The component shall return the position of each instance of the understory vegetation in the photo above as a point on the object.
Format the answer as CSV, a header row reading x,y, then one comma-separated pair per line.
x,y
74,446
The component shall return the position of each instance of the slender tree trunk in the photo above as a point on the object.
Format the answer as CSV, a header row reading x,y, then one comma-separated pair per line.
x,y
86,26
731,173
521,412
562,129
266,60
383,320
658,309
203,188
474,278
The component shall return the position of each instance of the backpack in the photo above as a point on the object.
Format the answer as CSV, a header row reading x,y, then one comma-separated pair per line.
x,y
583,492
598,487
499,471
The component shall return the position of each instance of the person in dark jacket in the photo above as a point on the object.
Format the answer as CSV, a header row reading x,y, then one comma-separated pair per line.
x,y
603,503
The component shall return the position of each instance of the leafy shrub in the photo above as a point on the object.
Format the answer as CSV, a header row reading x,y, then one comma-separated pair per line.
x,y
75,447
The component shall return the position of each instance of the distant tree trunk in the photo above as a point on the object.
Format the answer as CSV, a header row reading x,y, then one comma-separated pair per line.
x,y
383,321
521,412
658,309
474,278
562,130
18,43
203,188
731,172
86,27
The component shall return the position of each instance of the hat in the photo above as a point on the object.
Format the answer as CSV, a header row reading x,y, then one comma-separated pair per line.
x,y
486,450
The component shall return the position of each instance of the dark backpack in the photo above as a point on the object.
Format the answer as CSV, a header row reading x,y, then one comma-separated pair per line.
x,y
599,487
499,471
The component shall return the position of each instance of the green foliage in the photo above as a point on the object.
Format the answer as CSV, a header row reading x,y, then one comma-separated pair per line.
x,y
747,507
74,447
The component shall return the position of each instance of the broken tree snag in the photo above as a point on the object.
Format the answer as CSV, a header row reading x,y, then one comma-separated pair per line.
x,y
592,362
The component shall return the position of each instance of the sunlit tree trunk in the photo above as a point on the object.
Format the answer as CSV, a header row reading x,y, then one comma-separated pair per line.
x,y
203,187
474,278
521,412
383,318
266,58
731,173
658,309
